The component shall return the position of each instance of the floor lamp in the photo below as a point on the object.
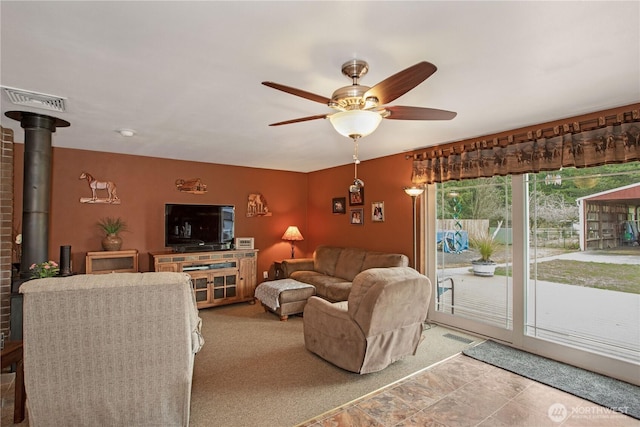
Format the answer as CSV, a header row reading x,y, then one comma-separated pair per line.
x,y
414,192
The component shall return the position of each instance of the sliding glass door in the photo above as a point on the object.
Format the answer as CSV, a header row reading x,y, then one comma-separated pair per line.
x,y
568,252
584,277
474,218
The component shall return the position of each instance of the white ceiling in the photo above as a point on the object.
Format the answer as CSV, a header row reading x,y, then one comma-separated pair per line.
x,y
187,75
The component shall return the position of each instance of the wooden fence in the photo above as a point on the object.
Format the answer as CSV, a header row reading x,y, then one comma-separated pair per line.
x,y
473,227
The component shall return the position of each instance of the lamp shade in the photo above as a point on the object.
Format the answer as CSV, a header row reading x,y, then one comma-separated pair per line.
x,y
355,123
292,234
414,191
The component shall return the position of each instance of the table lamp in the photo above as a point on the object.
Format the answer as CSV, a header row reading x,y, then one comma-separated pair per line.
x,y
292,234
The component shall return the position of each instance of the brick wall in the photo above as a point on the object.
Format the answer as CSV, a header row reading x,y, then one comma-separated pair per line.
x,y
6,225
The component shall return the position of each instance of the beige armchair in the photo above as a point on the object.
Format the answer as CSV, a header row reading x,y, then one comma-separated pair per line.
x,y
381,322
110,349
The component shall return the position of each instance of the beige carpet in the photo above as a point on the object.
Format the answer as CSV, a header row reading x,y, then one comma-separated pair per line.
x,y
254,370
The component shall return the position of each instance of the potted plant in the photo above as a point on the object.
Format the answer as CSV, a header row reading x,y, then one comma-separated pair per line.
x,y
44,269
486,245
112,226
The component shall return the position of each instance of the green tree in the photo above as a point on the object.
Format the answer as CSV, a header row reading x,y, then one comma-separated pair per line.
x,y
573,183
482,198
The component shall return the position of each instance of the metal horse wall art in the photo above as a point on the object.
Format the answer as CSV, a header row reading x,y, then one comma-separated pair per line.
x,y
257,206
95,185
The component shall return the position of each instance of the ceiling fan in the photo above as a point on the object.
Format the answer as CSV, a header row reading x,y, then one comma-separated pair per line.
x,y
360,109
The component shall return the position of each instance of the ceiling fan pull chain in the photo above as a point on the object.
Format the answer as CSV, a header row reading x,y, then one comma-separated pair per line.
x,y
355,158
357,183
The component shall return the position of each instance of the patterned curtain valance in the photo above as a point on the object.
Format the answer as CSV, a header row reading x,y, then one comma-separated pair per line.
x,y
614,139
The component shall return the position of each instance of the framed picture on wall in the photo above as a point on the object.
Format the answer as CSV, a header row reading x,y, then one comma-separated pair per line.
x,y
339,205
357,216
377,211
356,198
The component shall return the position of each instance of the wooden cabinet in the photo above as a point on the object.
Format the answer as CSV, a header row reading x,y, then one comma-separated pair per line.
x,y
112,262
219,278
168,267
216,287
248,277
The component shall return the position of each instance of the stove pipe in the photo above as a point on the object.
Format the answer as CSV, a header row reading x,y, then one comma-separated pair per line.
x,y
36,193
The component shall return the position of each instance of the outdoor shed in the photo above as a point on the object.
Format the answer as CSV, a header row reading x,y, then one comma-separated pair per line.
x,y
610,218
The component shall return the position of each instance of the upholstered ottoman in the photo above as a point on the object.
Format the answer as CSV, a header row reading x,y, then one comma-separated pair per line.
x,y
284,297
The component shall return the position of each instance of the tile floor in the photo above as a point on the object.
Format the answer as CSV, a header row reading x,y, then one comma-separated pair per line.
x,y
460,391
465,392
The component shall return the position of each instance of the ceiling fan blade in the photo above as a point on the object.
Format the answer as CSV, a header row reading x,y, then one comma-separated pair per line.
x,y
418,113
298,92
400,83
302,119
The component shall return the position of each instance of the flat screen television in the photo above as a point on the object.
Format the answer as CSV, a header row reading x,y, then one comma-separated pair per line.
x,y
190,228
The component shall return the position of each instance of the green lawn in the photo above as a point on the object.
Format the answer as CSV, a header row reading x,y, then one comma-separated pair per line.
x,y
615,277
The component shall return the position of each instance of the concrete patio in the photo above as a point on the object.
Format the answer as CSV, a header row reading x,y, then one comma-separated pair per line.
x,y
601,320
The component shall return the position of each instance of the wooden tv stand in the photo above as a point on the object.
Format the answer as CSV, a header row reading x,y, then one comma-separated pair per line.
x,y
219,277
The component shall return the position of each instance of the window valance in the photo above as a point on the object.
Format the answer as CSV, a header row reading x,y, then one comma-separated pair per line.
x,y
606,139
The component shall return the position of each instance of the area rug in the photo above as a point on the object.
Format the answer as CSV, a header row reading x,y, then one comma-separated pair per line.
x,y
605,391
254,370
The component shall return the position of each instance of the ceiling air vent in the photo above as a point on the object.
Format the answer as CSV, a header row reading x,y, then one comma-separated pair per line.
x,y
34,99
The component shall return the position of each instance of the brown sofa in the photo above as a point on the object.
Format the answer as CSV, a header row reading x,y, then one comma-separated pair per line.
x,y
332,269
380,323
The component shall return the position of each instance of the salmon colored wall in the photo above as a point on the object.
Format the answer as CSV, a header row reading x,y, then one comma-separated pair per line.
x,y
385,179
145,184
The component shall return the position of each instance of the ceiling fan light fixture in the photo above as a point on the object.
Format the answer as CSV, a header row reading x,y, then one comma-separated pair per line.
x,y
355,123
